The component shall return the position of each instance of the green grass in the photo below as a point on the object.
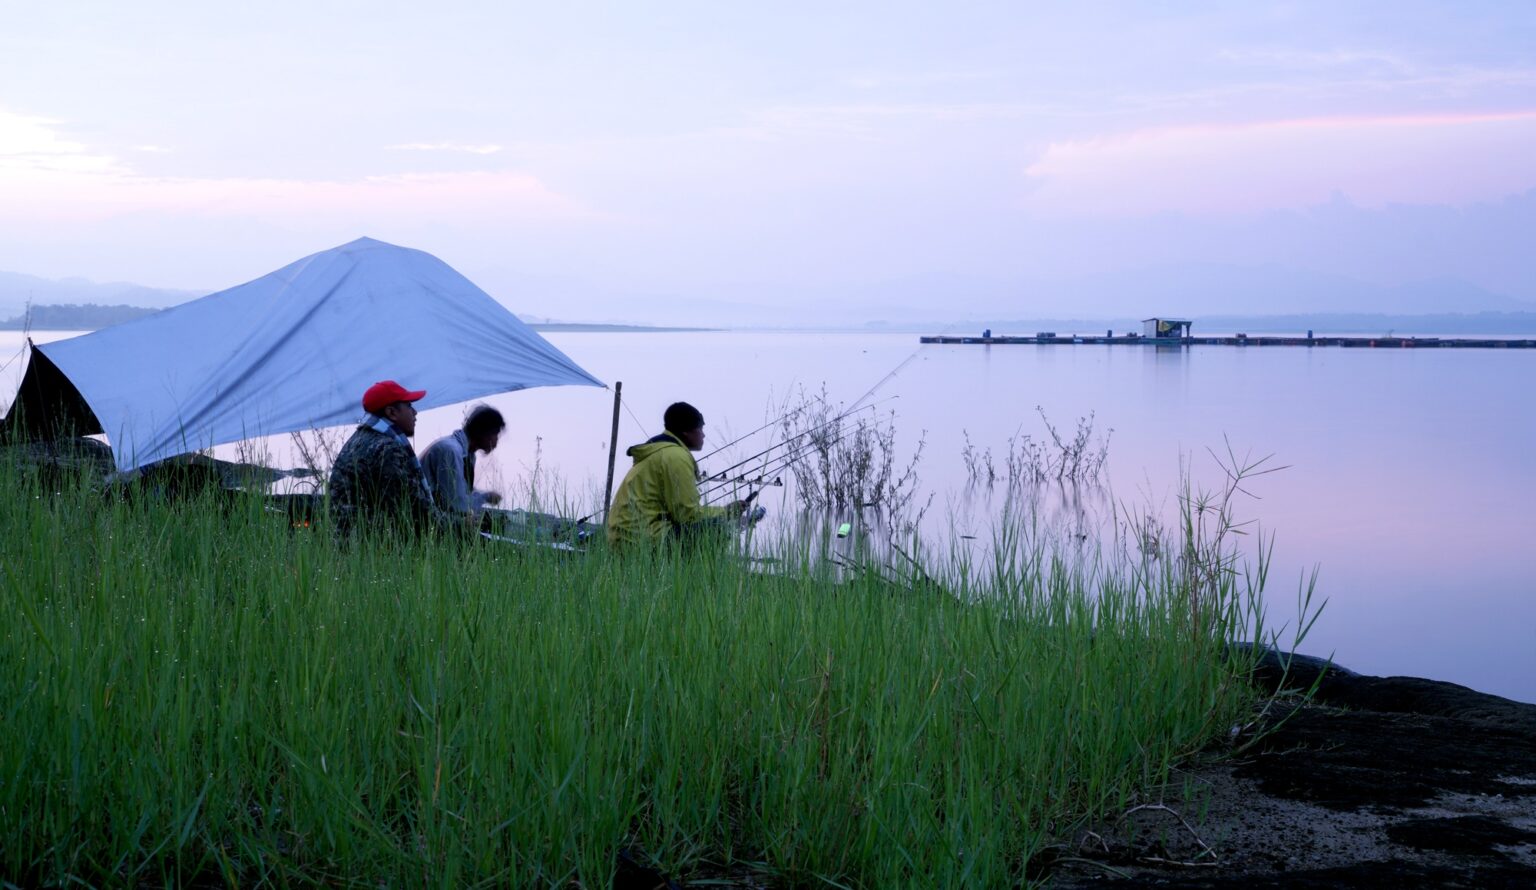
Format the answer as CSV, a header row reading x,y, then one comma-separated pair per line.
x,y
193,692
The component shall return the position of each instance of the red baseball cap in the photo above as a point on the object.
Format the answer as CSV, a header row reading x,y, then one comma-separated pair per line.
x,y
387,392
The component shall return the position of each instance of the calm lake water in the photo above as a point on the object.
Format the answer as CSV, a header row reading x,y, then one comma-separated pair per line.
x,y
1410,480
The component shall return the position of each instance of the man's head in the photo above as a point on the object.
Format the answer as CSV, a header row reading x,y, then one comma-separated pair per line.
x,y
686,423
483,428
394,403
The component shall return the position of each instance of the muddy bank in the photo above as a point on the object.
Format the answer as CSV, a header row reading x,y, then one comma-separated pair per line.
x,y
1377,781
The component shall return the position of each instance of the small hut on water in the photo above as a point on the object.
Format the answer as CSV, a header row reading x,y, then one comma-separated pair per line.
x,y
1166,328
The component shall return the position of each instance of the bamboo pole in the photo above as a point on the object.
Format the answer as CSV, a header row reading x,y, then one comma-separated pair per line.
x,y
613,448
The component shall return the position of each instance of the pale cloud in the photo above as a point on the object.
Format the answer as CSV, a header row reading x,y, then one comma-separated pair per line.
x,y
474,149
467,196
899,79
33,145
47,177
1308,58
1360,70
152,149
1454,158
862,117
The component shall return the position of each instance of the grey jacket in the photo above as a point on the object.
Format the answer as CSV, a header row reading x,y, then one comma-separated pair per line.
x,y
448,464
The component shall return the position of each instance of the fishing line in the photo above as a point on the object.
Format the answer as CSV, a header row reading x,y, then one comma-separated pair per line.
x,y
614,447
19,353
643,431
904,362
894,371
772,423
26,340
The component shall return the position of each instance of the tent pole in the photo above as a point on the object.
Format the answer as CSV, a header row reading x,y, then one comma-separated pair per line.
x,y
613,448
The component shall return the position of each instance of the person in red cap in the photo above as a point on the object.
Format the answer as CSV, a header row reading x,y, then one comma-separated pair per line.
x,y
377,481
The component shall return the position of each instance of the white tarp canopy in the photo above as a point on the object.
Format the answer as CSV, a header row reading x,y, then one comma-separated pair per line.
x,y
295,349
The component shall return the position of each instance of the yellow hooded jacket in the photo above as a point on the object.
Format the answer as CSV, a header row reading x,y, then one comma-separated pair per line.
x,y
659,497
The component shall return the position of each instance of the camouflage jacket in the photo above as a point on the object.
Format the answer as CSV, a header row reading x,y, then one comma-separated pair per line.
x,y
376,484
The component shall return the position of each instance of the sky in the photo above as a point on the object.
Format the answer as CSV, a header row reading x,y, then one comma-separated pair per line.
x,y
721,162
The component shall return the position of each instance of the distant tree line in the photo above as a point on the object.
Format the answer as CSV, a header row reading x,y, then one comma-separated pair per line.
x,y
74,317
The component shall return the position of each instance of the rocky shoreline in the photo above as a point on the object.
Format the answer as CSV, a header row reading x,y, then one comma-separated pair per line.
x,y
1374,781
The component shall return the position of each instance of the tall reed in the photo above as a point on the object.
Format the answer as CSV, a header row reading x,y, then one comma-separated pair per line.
x,y
197,691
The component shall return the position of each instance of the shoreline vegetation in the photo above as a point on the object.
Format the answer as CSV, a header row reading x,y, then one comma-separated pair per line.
x,y
196,690
89,317
74,317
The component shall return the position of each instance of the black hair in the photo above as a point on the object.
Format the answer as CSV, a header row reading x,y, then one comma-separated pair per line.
x,y
482,421
682,417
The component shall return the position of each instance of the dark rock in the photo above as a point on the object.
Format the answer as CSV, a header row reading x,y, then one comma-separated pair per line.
x,y
1411,695
633,874
1462,835
1274,670
1373,875
1349,760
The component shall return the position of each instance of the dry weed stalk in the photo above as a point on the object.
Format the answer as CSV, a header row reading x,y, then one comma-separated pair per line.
x,y
1077,459
317,449
852,463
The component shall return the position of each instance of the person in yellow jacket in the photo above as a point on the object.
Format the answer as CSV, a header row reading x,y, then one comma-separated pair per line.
x,y
659,497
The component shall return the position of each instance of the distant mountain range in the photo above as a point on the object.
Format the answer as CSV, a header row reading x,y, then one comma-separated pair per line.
x,y
1190,291
1210,290
17,291
962,296
1205,292
90,317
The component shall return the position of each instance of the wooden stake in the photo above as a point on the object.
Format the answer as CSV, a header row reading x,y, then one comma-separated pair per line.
x,y
613,449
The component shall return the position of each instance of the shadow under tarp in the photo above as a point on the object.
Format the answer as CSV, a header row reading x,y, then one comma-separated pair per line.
x,y
48,407
58,459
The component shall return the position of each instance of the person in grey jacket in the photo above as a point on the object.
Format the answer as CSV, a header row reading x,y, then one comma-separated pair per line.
x,y
449,463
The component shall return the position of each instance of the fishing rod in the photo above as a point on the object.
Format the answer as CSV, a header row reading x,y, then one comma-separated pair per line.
x,y
769,424
729,487
773,465
724,478
771,472
723,473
